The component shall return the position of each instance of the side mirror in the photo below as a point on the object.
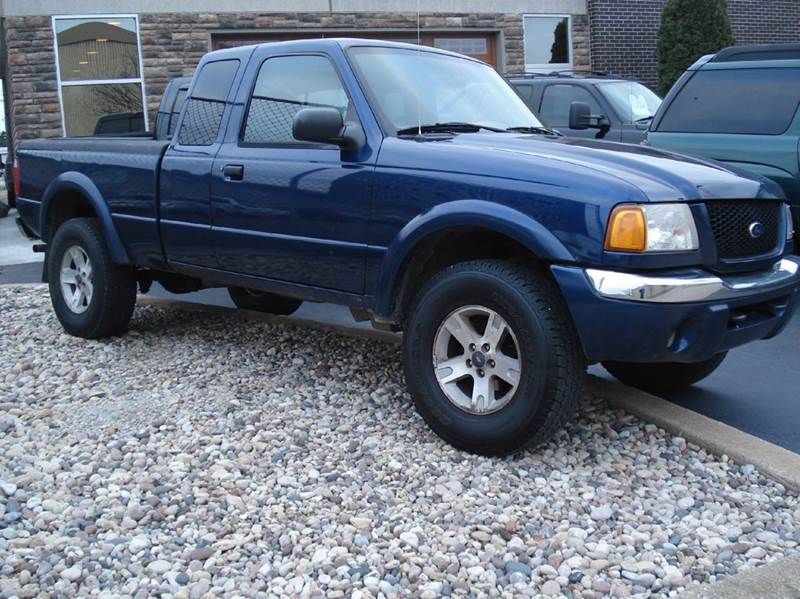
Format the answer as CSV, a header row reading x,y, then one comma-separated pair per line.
x,y
325,125
580,115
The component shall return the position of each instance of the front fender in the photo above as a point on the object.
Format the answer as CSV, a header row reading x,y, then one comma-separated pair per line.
x,y
463,213
80,183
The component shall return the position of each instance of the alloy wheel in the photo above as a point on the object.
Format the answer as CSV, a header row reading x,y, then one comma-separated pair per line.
x,y
77,282
476,359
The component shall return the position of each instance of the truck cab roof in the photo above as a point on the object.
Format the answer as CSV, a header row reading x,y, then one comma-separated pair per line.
x,y
322,44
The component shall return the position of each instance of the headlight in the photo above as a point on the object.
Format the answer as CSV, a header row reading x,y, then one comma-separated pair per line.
x,y
789,223
651,228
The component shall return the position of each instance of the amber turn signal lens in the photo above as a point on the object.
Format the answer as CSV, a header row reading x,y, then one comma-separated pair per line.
x,y
627,229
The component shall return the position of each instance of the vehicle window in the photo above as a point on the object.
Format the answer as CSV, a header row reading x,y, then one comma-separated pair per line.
x,y
124,122
556,100
745,101
631,100
180,98
207,103
285,85
416,86
524,90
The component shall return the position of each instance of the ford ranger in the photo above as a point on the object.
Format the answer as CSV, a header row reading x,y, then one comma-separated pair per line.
x,y
415,186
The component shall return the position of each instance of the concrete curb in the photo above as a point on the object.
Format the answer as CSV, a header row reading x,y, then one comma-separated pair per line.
x,y
23,284
776,580
384,336
771,460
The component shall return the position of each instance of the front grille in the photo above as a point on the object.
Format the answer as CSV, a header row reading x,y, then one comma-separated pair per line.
x,y
732,223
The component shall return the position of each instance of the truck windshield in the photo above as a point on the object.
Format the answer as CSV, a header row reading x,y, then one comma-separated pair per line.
x,y
413,87
631,100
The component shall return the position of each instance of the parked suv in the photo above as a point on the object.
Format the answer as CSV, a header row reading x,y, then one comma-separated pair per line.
x,y
622,109
741,107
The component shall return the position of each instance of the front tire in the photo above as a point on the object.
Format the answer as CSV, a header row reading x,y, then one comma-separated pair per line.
x,y
262,301
664,376
91,296
524,377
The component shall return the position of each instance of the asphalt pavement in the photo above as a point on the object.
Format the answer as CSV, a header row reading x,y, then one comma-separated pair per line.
x,y
757,388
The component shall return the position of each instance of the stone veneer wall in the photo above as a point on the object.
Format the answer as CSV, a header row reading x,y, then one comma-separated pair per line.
x,y
173,43
624,33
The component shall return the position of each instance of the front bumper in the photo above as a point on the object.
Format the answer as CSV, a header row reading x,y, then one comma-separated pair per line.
x,y
687,316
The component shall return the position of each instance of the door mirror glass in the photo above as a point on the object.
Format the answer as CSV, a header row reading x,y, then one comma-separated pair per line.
x,y
322,125
580,115
325,125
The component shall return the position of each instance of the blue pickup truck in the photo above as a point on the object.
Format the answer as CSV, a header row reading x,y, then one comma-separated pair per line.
x,y
416,187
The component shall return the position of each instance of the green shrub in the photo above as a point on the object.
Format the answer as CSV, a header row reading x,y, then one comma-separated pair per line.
x,y
690,29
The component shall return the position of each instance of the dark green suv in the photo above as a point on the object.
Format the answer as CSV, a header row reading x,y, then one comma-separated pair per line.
x,y
741,107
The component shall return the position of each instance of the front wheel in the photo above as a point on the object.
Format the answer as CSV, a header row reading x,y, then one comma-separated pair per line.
x,y
92,297
262,301
665,376
492,359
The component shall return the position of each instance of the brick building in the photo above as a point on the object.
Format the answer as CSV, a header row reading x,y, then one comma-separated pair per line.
x,y
69,64
624,33
60,75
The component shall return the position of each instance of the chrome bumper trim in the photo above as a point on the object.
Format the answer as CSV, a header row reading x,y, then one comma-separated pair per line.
x,y
700,288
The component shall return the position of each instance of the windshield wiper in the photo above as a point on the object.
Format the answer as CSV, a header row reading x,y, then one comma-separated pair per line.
x,y
536,130
454,127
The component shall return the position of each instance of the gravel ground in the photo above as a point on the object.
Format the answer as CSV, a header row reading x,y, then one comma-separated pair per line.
x,y
207,455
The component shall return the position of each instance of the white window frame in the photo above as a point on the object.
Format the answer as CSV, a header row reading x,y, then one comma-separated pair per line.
x,y
549,67
61,84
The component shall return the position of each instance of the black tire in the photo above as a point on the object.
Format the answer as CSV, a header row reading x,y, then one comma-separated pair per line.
x,y
262,301
664,376
114,286
553,367
4,209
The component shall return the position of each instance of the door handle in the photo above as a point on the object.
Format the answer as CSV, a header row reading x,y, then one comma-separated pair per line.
x,y
233,172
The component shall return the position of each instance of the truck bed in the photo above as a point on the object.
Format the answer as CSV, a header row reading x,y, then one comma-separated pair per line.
x,y
123,170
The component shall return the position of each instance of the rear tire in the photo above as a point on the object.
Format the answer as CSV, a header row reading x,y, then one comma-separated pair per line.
x,y
4,209
665,376
92,297
262,301
525,378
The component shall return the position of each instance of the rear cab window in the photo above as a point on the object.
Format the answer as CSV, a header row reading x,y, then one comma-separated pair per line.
x,y
206,103
761,101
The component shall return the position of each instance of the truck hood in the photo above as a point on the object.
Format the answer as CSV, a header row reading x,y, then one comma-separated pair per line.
x,y
657,175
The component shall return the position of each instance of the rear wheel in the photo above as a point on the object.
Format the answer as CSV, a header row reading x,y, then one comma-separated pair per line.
x,y
491,357
665,376
262,301
92,297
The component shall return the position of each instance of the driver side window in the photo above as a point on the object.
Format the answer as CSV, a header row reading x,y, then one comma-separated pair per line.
x,y
556,101
284,86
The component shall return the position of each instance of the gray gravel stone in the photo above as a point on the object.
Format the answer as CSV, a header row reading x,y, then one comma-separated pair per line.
x,y
602,512
520,567
208,455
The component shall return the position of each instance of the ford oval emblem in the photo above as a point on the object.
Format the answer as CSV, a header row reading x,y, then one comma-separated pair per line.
x,y
756,230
